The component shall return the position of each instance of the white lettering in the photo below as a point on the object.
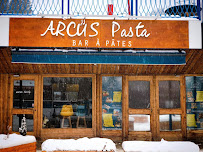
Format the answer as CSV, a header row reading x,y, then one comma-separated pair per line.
x,y
92,27
118,43
97,44
68,29
143,33
113,43
83,31
58,31
80,43
107,42
50,28
74,42
130,33
123,43
86,42
129,44
113,28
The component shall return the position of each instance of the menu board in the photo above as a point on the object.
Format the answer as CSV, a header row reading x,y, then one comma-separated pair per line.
x,y
111,103
194,102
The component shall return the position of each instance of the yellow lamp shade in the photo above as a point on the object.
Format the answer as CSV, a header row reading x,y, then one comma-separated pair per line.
x,y
67,110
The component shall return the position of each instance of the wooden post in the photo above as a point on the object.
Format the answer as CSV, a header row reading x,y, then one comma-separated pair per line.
x,y
1,105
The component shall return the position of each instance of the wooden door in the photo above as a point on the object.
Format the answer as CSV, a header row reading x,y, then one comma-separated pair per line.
x,y
23,102
170,108
139,108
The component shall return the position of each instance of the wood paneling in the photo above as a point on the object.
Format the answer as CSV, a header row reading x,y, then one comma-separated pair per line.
x,y
171,136
194,62
141,135
1,103
31,147
4,104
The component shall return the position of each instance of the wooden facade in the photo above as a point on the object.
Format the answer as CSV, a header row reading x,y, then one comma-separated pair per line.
x,y
193,66
151,73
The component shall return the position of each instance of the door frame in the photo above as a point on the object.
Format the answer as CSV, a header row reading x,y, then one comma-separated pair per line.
x,y
148,135
172,135
33,111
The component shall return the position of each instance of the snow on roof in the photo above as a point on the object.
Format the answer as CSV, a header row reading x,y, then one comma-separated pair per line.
x,y
82,144
162,146
15,140
96,50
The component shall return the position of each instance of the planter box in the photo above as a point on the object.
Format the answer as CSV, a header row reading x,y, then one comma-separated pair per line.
x,y
31,147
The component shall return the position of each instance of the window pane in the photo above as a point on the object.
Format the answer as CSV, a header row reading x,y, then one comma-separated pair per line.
x,y
169,94
111,103
23,94
17,122
67,102
194,102
170,122
139,122
139,94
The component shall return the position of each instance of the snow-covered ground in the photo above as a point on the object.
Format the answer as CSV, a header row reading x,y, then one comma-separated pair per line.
x,y
120,149
81,144
160,146
15,140
97,144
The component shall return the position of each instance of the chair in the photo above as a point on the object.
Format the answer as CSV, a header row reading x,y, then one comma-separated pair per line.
x,y
81,114
66,113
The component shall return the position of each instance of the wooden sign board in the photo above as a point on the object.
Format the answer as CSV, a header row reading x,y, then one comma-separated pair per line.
x,y
88,33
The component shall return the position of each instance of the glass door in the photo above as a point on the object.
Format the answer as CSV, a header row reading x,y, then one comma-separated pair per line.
x,y
140,107
170,108
23,103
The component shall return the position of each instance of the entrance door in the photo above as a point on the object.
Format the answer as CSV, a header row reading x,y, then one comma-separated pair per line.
x,y
23,103
170,108
140,107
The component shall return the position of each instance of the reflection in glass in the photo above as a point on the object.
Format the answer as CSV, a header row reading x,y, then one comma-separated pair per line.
x,y
67,102
139,94
139,122
17,122
169,94
194,102
111,103
170,122
23,94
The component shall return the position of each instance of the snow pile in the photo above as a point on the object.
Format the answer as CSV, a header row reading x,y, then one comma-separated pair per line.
x,y
163,146
15,140
82,144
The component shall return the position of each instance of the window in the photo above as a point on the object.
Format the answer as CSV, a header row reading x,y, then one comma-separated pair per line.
x,y
67,102
194,102
169,94
111,103
170,122
139,122
23,94
17,119
139,94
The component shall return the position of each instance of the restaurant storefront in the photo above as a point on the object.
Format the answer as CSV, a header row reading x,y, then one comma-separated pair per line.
x,y
109,88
